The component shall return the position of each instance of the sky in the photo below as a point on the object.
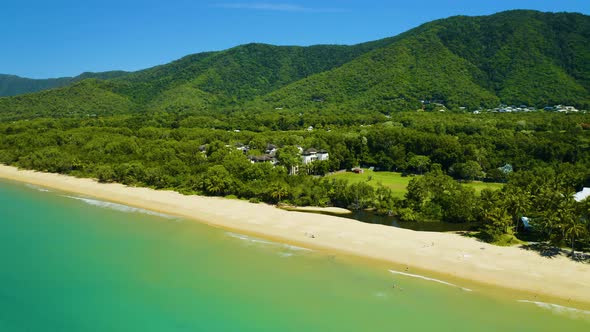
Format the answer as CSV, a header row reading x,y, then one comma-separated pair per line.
x,y
55,38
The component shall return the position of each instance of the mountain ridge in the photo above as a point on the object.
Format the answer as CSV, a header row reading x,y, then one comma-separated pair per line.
x,y
13,85
514,57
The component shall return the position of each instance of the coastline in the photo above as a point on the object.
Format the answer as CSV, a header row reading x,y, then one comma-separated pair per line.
x,y
316,209
443,254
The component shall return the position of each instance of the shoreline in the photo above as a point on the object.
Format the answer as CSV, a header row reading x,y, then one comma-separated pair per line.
x,y
315,209
450,256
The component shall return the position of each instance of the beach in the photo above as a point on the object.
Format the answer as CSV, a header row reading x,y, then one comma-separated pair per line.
x,y
409,252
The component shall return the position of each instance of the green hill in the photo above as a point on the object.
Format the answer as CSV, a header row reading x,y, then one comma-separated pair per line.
x,y
240,73
89,97
11,85
201,81
515,57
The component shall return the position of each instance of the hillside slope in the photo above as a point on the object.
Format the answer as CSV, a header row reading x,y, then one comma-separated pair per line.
x,y
514,57
11,85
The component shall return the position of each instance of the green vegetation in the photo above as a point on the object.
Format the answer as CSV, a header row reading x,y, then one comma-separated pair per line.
x,y
515,57
399,183
178,126
392,180
479,186
11,85
548,153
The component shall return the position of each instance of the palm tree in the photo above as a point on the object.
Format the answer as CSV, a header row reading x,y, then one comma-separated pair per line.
x,y
574,229
562,220
517,204
278,191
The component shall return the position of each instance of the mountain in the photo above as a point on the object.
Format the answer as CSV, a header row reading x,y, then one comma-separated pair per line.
x,y
195,82
11,85
242,72
514,57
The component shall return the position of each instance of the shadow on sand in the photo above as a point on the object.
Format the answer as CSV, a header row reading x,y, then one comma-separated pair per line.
x,y
550,251
542,248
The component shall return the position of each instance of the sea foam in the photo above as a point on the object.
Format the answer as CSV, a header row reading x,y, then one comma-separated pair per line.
x,y
429,279
120,207
32,186
255,240
559,309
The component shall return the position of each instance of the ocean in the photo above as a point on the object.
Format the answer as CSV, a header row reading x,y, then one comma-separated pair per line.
x,y
72,263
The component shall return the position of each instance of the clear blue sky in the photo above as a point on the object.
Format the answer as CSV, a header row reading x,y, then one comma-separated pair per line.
x,y
51,38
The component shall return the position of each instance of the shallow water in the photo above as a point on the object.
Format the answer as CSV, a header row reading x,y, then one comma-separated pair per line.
x,y
71,263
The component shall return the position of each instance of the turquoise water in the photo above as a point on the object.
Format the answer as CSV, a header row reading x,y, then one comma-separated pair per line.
x,y
85,265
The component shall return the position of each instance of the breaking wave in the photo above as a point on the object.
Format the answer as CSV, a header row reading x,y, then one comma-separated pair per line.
x,y
32,186
559,309
119,207
429,279
249,238
255,240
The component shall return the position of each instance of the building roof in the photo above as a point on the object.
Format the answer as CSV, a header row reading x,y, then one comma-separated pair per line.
x,y
582,195
261,158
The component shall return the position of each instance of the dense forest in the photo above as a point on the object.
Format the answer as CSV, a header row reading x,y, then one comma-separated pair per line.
x,y
542,157
515,57
12,85
184,125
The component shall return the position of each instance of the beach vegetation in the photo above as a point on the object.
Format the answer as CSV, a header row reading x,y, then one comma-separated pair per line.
x,y
412,171
425,116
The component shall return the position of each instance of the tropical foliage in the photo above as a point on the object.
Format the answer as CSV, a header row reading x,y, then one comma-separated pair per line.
x,y
516,57
179,126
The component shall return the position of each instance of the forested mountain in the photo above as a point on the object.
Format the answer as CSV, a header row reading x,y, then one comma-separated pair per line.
x,y
11,85
239,73
514,57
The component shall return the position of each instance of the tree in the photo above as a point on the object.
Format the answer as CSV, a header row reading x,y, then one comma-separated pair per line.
x,y
497,223
217,180
574,229
360,194
561,218
105,173
469,170
288,156
419,163
459,205
279,190
516,202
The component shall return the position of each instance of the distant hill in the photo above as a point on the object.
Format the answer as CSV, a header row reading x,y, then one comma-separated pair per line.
x,y
11,85
515,57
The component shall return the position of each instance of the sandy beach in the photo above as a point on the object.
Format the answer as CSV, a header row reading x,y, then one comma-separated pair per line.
x,y
316,209
443,254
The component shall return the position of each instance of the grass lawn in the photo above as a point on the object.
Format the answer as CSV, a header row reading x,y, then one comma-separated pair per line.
x,y
398,183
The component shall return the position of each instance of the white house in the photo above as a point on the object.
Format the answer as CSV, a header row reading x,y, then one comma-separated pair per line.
x,y
322,155
582,195
310,155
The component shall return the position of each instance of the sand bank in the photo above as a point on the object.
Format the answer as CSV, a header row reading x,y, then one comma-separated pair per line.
x,y
317,209
445,254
